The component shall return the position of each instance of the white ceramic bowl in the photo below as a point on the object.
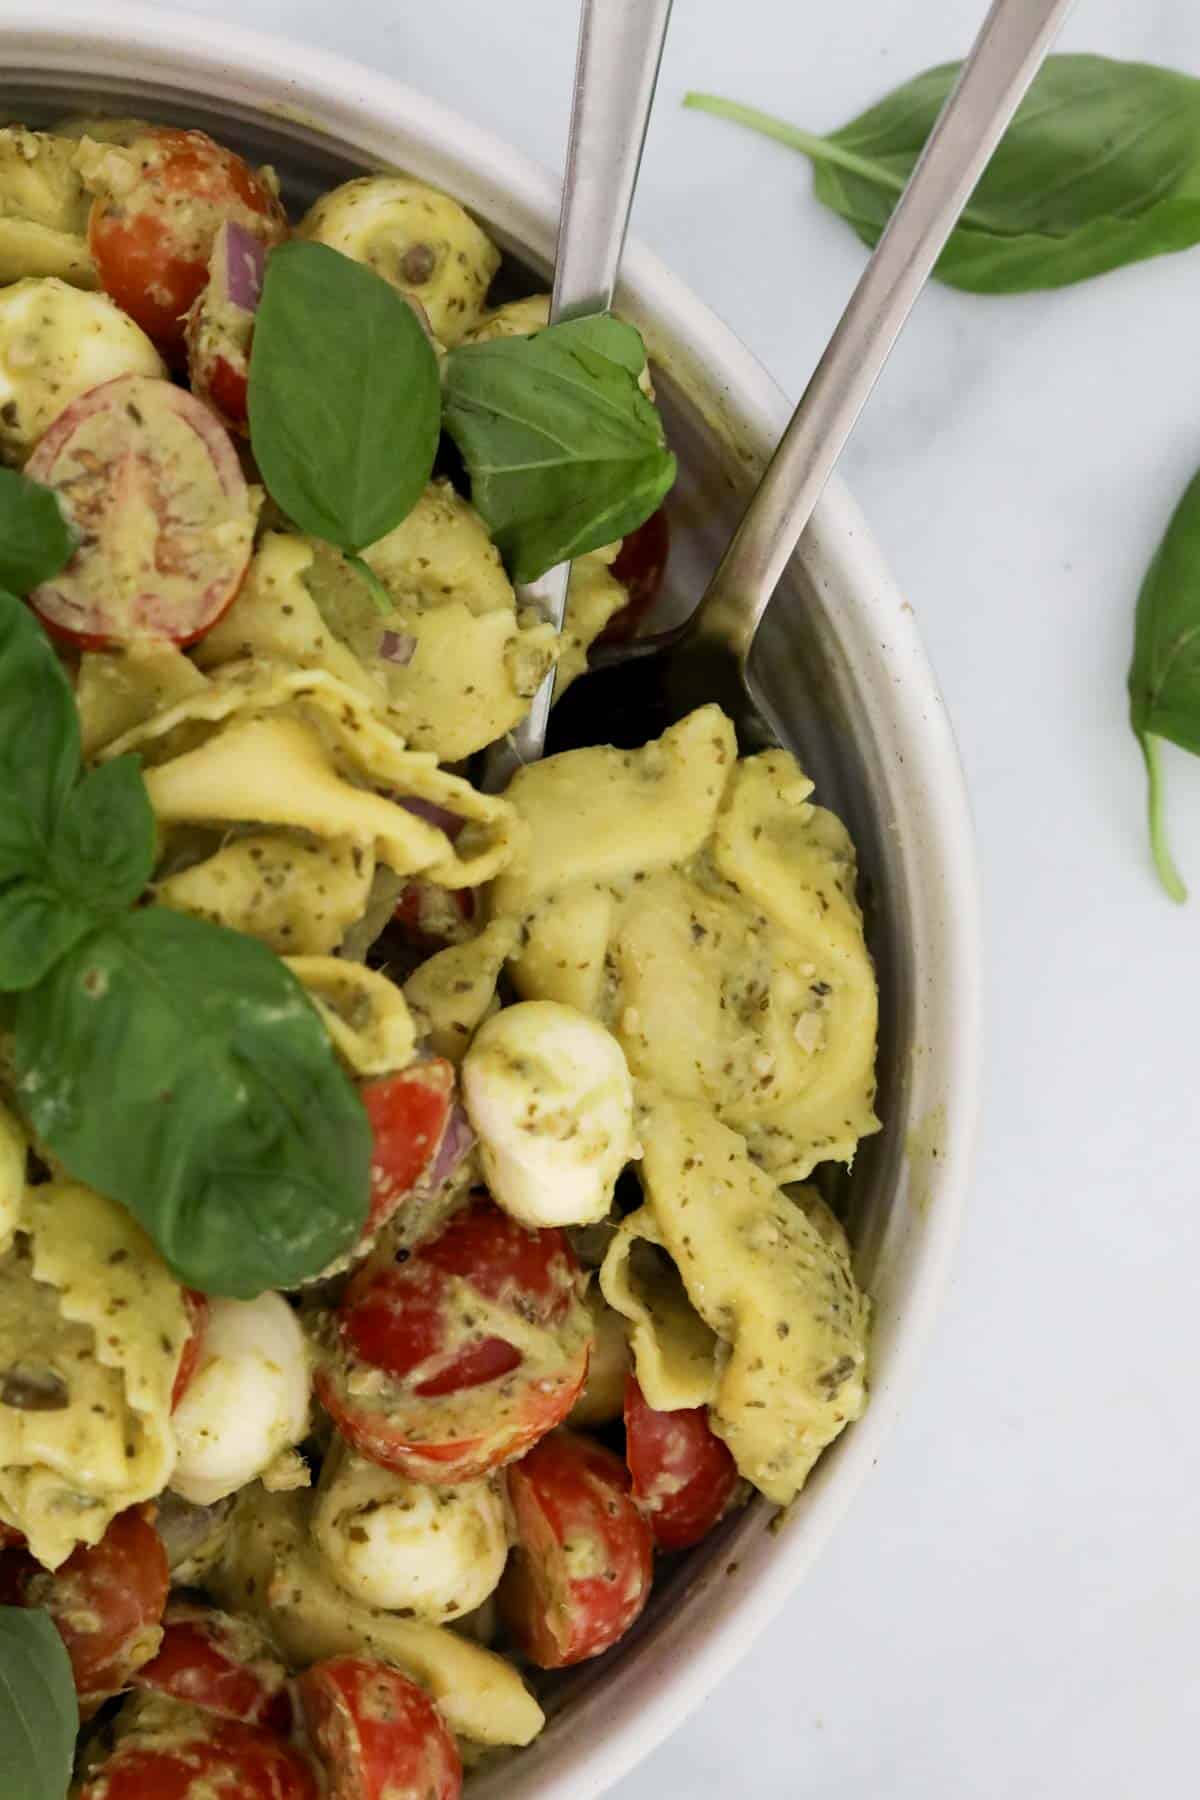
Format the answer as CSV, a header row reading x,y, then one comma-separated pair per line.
x,y
841,665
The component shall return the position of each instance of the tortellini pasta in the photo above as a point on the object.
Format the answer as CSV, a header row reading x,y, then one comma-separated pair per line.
x,y
768,1275
704,910
262,745
43,209
455,990
273,1570
417,238
92,1327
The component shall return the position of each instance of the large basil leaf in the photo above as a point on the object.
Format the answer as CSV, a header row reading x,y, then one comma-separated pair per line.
x,y
564,451
35,539
1164,677
102,851
39,739
1100,167
39,1714
345,400
181,1069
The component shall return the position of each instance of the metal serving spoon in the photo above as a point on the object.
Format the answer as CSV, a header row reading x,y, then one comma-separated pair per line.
x,y
635,690
616,71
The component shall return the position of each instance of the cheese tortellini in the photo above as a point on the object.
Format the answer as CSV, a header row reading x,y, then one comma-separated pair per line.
x,y
273,1569
704,910
776,1340
92,1328
43,209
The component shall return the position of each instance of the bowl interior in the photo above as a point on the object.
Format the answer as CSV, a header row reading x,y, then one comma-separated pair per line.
x,y
842,674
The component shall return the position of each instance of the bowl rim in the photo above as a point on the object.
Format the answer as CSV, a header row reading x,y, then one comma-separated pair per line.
x,y
197,54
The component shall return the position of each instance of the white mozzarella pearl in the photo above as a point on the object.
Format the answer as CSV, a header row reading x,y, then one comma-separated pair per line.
x,y
390,1543
248,1401
549,1093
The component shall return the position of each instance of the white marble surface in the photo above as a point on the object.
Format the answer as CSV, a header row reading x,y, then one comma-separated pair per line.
x,y
1011,1606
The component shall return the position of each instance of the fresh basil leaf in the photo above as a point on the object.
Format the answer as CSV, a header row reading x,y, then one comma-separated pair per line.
x,y
564,451
35,538
345,397
1099,168
37,926
39,1714
102,851
1164,677
39,744
181,1069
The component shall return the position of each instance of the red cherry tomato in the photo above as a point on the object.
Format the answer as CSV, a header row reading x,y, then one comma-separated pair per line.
x,y
459,1355
189,1357
376,1735
584,1558
640,567
683,1475
107,1602
198,1756
153,485
220,1663
151,244
408,1114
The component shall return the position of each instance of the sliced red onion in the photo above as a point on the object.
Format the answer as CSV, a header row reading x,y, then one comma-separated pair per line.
x,y
458,1139
397,647
235,269
433,814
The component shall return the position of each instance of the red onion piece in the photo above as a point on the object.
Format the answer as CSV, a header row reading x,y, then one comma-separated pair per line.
x,y
433,814
397,647
458,1138
235,269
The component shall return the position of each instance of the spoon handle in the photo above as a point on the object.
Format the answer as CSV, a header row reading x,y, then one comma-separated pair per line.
x,y
1007,54
616,69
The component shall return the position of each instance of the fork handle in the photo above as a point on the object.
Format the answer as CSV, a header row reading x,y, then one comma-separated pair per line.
x,y
616,69
1007,54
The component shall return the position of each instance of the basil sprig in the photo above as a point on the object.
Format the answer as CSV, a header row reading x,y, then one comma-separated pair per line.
x,y
564,451
1099,168
176,1066
1164,677
345,399
39,1714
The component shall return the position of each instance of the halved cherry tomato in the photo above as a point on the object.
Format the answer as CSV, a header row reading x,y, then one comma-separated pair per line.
x,y
376,1735
640,566
189,1357
157,208
683,1475
107,1602
581,1570
152,483
460,1354
220,1663
194,1755
408,1114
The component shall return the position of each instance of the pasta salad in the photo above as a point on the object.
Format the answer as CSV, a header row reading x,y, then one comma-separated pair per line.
x,y
408,1233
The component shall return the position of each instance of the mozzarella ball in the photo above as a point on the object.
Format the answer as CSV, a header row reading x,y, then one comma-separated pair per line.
x,y
419,240
388,1542
248,1401
603,1396
549,1093
57,342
